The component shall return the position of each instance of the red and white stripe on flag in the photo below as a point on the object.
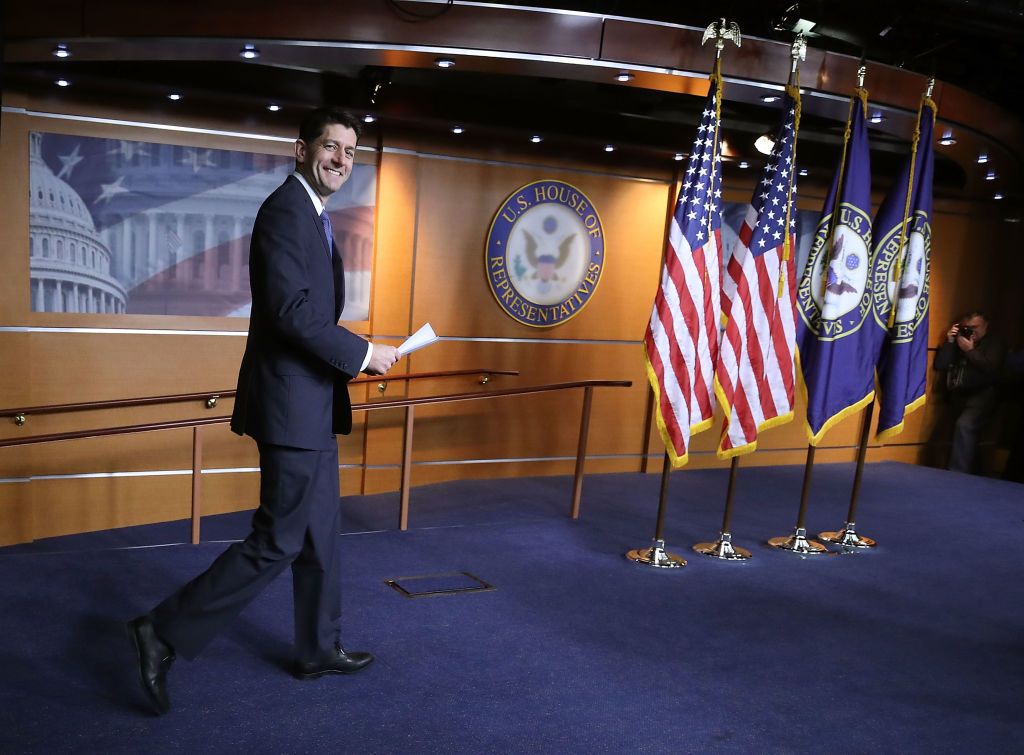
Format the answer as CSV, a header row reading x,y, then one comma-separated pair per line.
x,y
756,373
681,343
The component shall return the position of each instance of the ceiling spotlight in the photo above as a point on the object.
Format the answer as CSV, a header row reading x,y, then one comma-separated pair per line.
x,y
174,96
369,118
997,195
444,62
624,76
990,176
536,139
764,144
62,83
273,108
678,157
1012,219
947,140
609,148
743,164
982,158
876,118
61,51
770,98
249,52
803,172
457,129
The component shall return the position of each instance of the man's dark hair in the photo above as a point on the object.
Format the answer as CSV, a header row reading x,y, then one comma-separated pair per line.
x,y
975,313
317,121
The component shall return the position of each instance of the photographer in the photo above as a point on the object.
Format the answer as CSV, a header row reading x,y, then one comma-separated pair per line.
x,y
971,360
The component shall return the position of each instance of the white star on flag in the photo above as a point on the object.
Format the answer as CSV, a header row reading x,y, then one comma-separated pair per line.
x,y
68,162
109,191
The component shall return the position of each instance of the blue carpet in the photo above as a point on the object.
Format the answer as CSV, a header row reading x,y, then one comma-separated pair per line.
x,y
916,646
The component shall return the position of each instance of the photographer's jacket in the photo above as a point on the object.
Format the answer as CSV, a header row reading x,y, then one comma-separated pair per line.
x,y
971,371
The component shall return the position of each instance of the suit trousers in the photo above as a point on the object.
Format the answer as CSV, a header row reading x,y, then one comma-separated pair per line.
x,y
297,524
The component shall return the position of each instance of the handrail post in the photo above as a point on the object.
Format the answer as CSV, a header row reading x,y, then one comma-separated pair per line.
x,y
197,480
581,452
403,506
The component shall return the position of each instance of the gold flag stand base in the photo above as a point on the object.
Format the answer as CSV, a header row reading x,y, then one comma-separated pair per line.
x,y
723,549
798,543
848,537
656,556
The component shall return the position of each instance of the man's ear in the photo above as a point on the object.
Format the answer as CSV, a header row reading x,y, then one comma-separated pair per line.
x,y
300,151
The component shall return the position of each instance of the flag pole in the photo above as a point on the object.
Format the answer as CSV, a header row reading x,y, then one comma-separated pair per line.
x,y
798,542
723,548
847,536
656,555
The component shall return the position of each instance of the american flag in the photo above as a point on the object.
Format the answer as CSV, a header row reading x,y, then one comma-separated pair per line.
x,y
756,374
681,343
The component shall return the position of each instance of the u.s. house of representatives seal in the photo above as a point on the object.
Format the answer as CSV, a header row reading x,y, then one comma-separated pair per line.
x,y
545,253
836,297
910,294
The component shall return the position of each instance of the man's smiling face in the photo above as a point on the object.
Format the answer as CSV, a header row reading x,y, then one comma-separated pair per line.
x,y
326,163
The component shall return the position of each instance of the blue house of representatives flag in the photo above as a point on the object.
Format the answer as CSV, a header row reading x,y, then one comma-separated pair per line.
x,y
902,252
838,339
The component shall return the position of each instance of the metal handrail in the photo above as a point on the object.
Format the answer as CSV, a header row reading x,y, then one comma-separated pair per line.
x,y
408,404
178,424
19,415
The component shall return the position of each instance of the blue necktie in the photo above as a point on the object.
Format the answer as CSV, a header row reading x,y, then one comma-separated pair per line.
x,y
326,220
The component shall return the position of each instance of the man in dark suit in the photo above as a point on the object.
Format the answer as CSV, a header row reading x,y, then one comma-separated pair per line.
x,y
292,399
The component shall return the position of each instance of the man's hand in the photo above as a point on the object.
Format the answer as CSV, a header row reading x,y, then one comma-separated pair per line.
x,y
953,332
965,344
382,359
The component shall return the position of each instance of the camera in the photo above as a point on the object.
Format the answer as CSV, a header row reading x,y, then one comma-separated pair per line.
x,y
966,331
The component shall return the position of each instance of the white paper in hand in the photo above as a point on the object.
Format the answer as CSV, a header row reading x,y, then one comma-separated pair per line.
x,y
422,337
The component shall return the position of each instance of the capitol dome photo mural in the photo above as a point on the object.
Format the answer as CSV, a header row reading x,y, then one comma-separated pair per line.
x,y
129,227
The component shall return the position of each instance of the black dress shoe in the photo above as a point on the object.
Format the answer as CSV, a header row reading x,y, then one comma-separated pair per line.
x,y
155,658
339,663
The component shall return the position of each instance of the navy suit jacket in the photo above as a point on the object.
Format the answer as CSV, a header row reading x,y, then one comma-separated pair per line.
x,y
293,382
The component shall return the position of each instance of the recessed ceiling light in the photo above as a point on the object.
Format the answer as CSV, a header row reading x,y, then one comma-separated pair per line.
x,y
803,172
444,63
61,51
1012,219
273,108
743,164
249,52
609,148
997,195
876,118
990,176
174,96
947,140
770,98
678,157
457,129
764,144
982,158
369,118
624,76
536,139
62,83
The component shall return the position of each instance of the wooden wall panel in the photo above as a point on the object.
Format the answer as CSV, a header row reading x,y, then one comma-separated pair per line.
x,y
459,199
15,512
64,507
